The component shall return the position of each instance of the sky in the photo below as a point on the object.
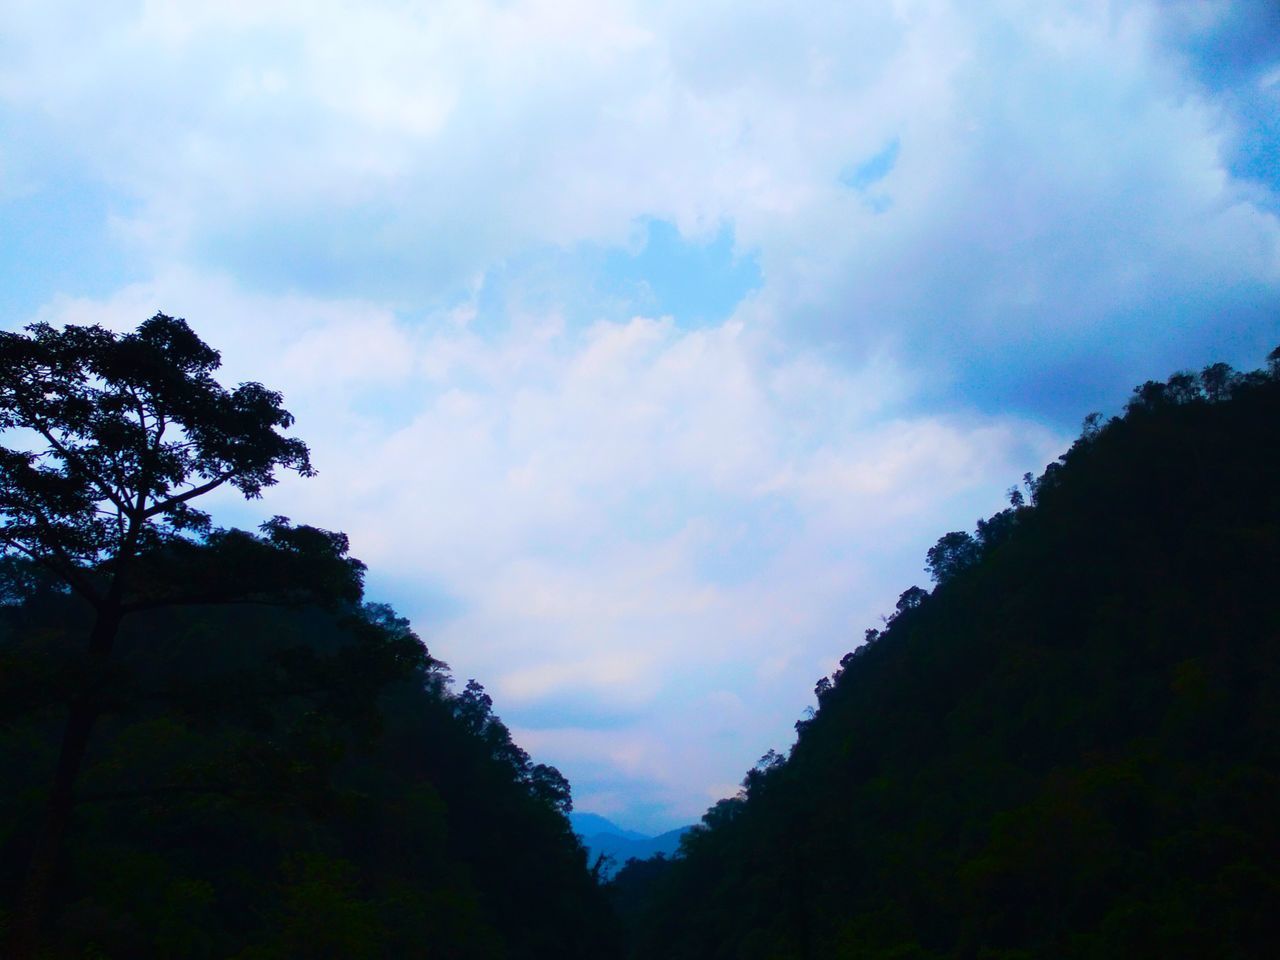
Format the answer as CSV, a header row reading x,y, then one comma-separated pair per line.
x,y
643,349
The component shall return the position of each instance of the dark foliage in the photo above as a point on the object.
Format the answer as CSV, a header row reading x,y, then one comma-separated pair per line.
x,y
272,782
1071,748
124,432
108,439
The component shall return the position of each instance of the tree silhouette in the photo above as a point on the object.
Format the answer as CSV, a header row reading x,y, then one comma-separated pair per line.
x,y
952,553
108,440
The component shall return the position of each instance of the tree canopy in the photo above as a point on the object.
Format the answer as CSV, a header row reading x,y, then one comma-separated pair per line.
x,y
124,432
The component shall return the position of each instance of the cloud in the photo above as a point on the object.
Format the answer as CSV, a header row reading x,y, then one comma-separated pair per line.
x,y
1061,194
644,348
630,520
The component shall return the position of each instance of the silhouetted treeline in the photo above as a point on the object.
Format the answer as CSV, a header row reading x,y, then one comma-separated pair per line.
x,y
1069,748
283,782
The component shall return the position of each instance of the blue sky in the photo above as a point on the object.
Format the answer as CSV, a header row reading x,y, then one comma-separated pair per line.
x,y
644,348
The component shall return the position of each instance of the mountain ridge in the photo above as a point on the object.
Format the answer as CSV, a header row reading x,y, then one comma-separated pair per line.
x,y
592,824
604,838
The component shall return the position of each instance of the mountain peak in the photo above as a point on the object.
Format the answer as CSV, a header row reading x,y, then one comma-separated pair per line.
x,y
592,824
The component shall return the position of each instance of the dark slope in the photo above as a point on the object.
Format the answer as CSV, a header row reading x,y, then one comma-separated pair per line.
x,y
285,783
1069,749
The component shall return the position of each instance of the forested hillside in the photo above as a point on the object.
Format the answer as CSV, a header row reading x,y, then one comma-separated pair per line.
x,y
1069,748
281,783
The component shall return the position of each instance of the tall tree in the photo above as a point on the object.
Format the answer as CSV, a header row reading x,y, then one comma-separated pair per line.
x,y
108,440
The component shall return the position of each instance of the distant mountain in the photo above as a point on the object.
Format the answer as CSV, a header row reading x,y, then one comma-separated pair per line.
x,y
603,836
590,824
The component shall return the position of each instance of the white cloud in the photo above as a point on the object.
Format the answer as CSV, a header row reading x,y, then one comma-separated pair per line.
x,y
629,512
628,515
1036,141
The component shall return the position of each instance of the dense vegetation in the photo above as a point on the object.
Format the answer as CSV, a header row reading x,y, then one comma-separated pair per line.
x,y
285,782
1069,748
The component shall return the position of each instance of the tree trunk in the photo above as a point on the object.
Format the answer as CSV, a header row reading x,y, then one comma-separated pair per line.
x,y
34,895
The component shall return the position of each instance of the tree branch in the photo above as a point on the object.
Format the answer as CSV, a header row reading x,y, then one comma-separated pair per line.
x,y
71,574
138,404
191,494
72,457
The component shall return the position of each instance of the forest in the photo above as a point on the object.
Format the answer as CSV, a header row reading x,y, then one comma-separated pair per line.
x,y
212,745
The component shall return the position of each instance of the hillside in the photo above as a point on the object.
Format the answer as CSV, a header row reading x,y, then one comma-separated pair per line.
x,y
285,782
1069,748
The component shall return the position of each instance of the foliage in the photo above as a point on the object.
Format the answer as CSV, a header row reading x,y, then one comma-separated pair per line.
x,y
272,782
125,432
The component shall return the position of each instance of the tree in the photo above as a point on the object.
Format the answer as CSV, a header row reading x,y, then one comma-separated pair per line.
x,y
1217,380
910,599
108,439
954,551
549,785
